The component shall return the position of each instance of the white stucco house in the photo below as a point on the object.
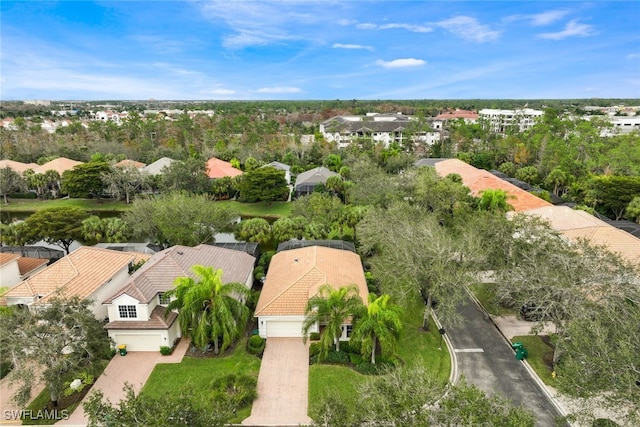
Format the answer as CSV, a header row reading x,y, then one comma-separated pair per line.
x,y
15,268
296,275
137,311
87,273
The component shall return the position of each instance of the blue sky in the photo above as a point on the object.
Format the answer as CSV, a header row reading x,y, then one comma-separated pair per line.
x,y
290,49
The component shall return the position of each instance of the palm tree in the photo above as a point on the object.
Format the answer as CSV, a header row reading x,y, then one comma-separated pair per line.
x,y
331,307
209,310
495,201
380,323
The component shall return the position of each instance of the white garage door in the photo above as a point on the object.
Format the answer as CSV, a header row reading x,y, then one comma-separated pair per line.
x,y
147,342
284,328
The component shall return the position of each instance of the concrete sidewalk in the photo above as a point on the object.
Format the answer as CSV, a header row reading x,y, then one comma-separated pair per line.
x,y
134,368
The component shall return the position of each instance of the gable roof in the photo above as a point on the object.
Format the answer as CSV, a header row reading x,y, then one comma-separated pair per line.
x,y
156,167
27,265
478,180
217,168
60,165
126,163
161,270
314,176
156,321
17,166
6,258
78,274
296,275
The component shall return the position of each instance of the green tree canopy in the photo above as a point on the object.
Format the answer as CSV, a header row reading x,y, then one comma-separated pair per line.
x,y
265,184
331,308
59,226
10,181
379,323
85,180
178,218
64,338
210,311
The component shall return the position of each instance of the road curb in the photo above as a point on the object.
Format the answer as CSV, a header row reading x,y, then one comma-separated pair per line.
x,y
453,375
532,373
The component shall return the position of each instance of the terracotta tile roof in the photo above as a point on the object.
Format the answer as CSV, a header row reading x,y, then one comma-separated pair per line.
x,y
296,275
7,257
79,274
457,114
156,321
17,166
478,180
130,163
26,265
60,165
576,224
217,168
160,271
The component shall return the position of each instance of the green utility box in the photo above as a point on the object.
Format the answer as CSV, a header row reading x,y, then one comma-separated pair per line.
x,y
521,352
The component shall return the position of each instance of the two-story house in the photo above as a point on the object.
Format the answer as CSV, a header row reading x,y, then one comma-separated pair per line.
x,y
137,311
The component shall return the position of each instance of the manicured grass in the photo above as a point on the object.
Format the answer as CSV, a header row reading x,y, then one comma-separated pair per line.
x,y
198,372
538,351
485,292
29,206
261,209
415,346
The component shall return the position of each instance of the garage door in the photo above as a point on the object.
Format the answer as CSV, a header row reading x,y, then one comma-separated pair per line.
x,y
284,328
147,342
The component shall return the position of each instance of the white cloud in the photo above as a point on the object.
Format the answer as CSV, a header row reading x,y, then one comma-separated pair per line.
x,y
469,28
394,26
222,92
401,63
351,46
539,19
633,56
573,28
279,89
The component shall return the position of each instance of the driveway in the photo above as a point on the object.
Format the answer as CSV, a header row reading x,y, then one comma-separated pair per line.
x,y
283,385
487,360
9,408
134,368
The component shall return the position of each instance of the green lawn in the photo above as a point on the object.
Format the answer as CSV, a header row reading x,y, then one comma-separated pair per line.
x,y
415,346
485,292
538,352
198,372
262,209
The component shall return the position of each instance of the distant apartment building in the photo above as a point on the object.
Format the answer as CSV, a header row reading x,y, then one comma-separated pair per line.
x,y
500,121
381,128
469,117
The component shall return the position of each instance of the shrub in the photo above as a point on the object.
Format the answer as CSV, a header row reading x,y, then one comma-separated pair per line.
x,y
355,359
28,195
238,390
338,357
258,273
314,336
314,349
166,350
112,352
256,345
5,368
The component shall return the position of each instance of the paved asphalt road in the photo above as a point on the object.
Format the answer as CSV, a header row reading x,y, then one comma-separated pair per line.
x,y
487,360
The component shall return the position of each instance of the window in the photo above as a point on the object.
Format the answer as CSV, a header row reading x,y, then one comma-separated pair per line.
x,y
127,311
349,329
163,298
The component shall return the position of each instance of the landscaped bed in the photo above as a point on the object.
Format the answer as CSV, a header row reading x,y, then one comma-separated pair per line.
x,y
415,346
199,371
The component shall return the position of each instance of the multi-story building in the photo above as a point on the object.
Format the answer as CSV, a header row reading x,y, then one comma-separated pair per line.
x,y
382,128
501,121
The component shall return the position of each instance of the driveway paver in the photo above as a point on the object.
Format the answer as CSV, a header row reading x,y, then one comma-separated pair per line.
x,y
134,368
9,409
283,385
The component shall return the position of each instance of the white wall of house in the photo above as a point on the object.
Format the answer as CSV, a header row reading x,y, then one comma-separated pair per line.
x,y
142,310
10,274
105,291
20,300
